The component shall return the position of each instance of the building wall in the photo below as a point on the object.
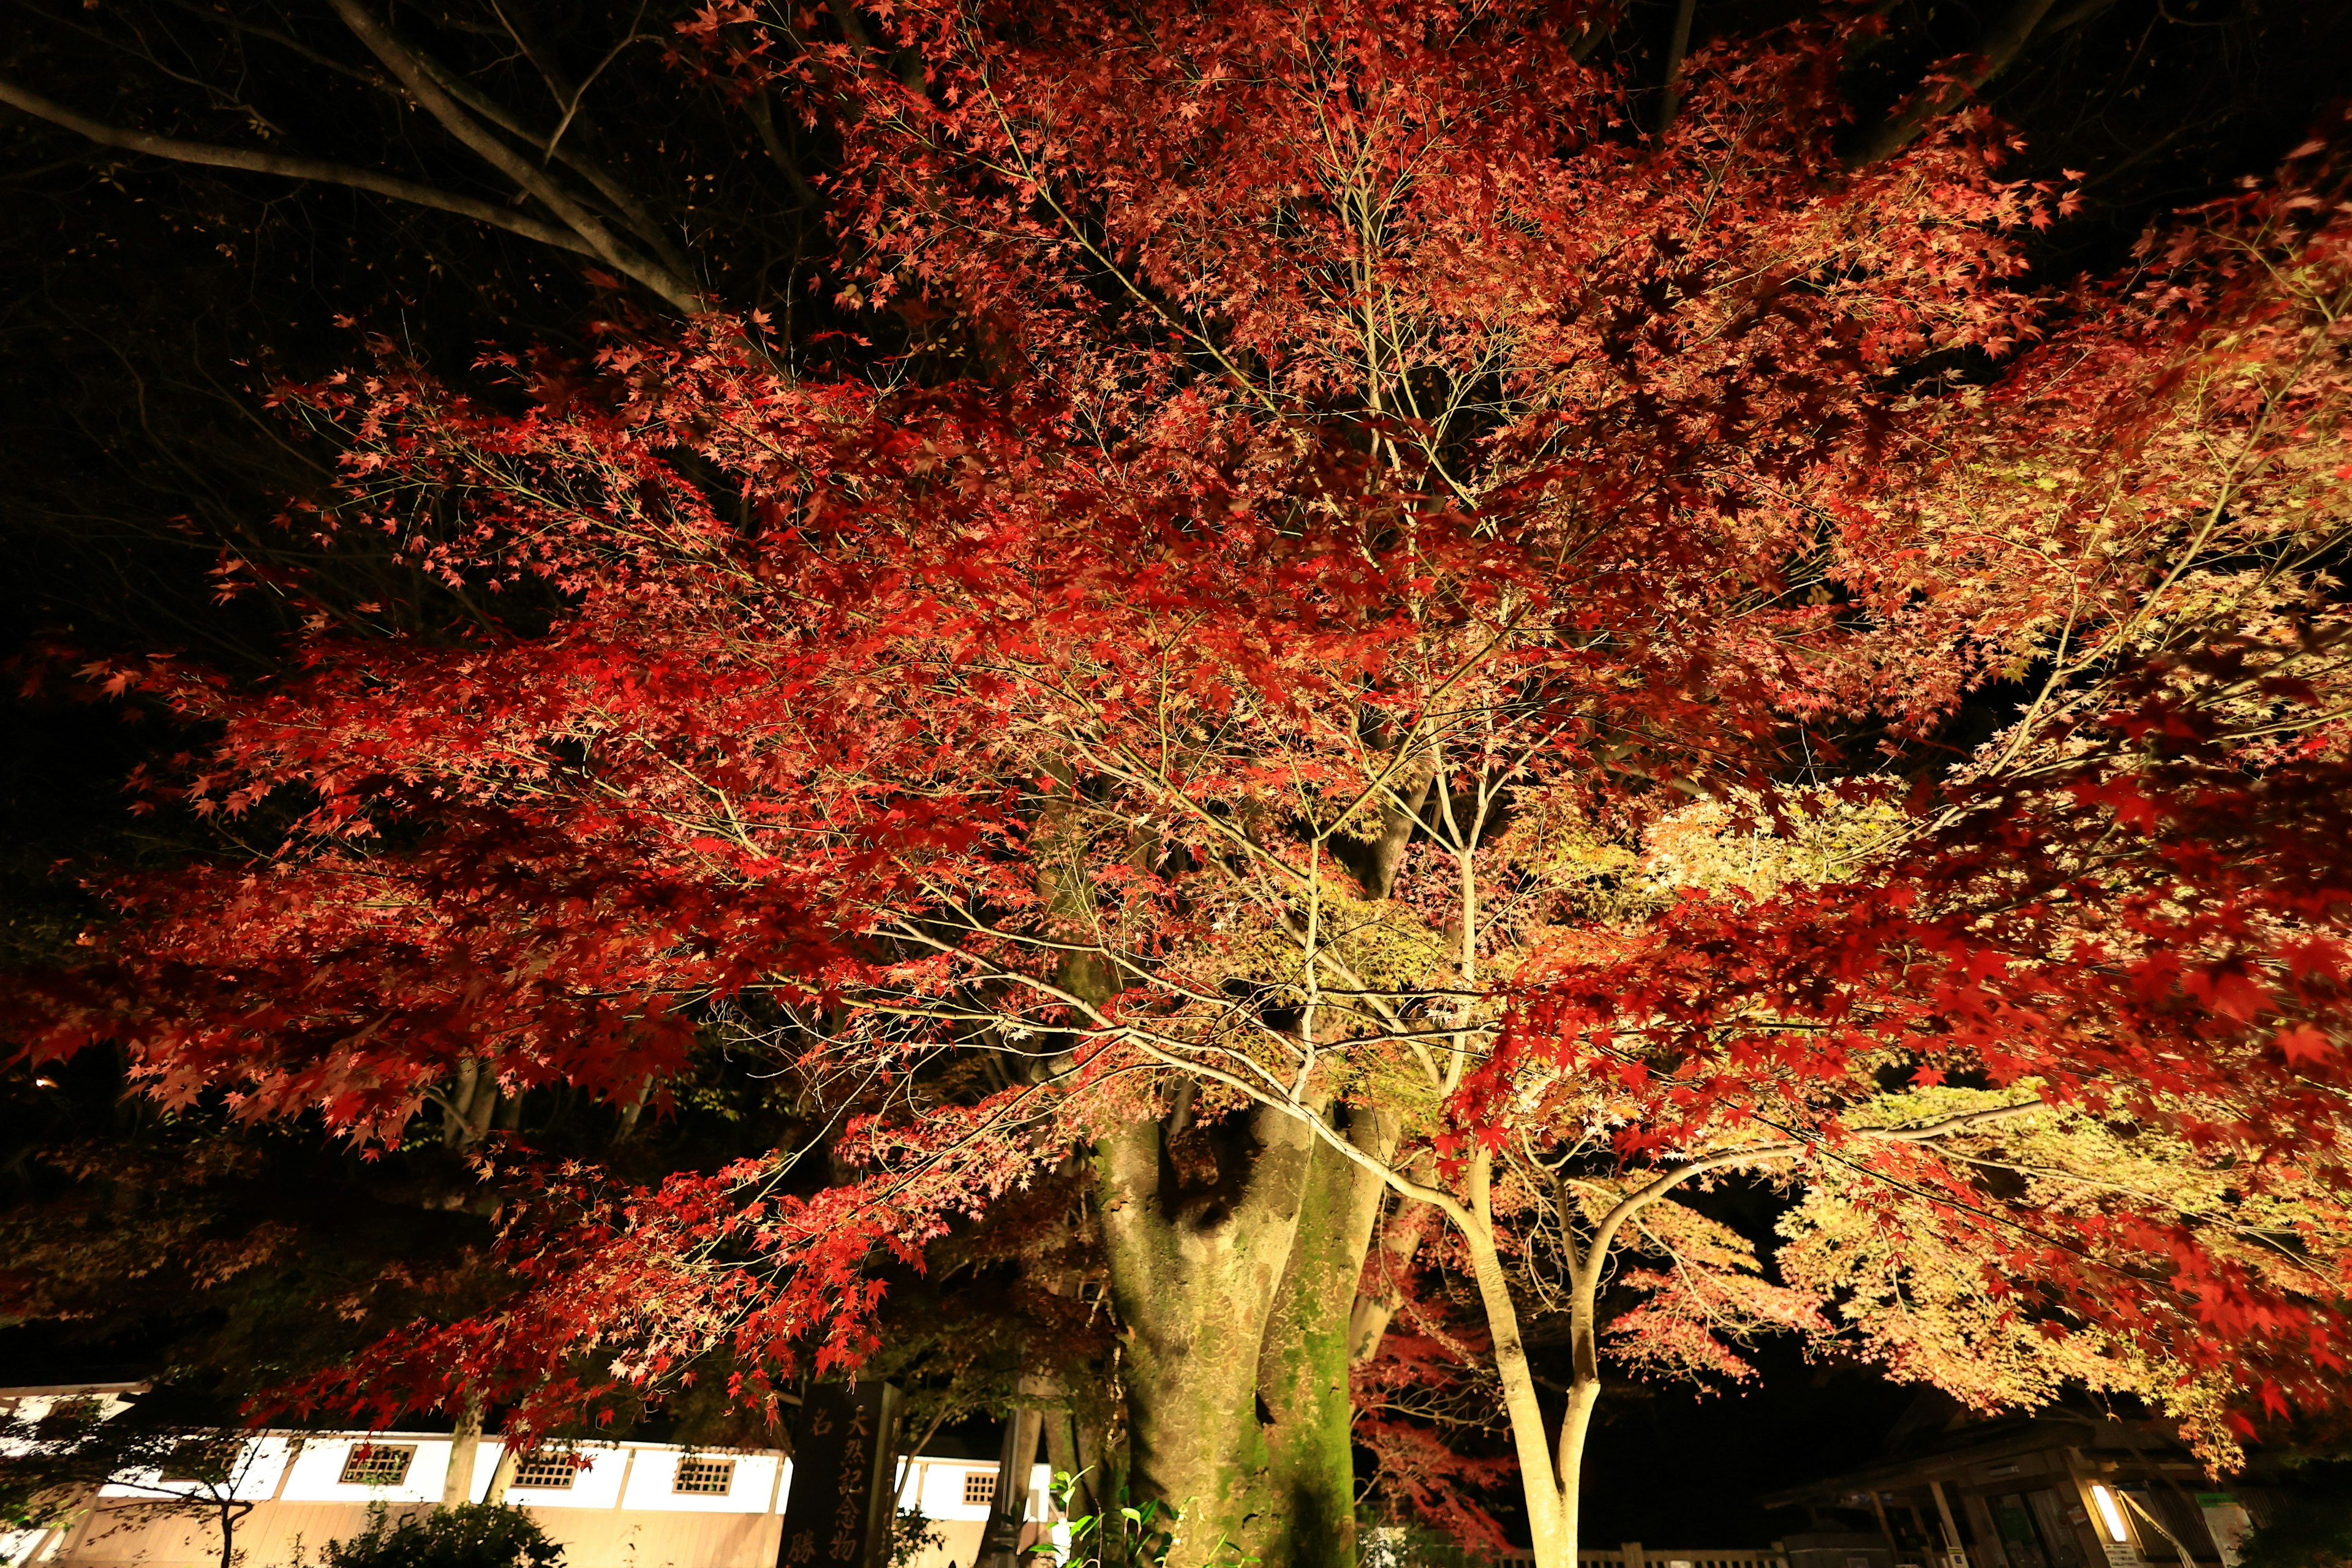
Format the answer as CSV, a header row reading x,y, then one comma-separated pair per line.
x,y
123,1533
30,1405
621,1511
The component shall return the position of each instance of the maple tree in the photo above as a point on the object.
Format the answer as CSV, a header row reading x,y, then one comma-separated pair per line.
x,y
1399,683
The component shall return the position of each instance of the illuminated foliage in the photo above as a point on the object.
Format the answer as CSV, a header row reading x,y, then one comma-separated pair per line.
x,y
1406,678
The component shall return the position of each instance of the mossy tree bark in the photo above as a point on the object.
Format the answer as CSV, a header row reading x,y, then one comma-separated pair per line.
x,y
1235,1252
1307,1505
1233,1286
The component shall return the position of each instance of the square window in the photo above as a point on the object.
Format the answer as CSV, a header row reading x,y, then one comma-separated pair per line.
x,y
703,1477
980,1486
548,1472
376,1464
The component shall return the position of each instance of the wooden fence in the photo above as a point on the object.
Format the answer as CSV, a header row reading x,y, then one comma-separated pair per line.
x,y
1631,1555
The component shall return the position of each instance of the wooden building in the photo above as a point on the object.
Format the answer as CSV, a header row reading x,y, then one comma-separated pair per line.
x,y
2056,1490
610,1505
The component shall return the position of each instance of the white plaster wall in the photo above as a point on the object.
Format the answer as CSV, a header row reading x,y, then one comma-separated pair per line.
x,y
18,1547
264,1465
31,1407
937,1488
622,1487
259,1465
316,1475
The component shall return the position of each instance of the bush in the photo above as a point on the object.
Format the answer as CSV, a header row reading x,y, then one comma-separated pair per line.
x,y
473,1535
911,1535
2312,1532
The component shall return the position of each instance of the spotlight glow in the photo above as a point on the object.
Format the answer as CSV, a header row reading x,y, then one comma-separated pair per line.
x,y
2111,1514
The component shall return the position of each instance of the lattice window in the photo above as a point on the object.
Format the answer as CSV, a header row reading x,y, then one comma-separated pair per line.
x,y
979,1487
703,1477
548,1472
377,1465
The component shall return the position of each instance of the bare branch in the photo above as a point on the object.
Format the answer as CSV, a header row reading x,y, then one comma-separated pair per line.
x,y
318,169
624,201
284,40
580,93
679,291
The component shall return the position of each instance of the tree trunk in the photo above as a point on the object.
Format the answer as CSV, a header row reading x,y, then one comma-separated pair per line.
x,y
1194,1275
232,1514
1233,1293
464,1443
1551,1497
1307,1515
1576,1425
466,1115
1234,1301
457,1113
1382,1292
503,1475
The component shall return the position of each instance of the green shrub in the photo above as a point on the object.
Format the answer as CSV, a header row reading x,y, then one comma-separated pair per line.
x,y
911,1535
2312,1532
473,1535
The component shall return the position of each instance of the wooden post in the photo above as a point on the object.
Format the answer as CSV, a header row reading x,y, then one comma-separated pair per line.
x,y
1000,1546
1955,1554
1633,1556
1886,1529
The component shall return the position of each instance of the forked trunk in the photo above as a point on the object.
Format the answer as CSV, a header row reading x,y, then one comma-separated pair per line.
x,y
232,1514
1583,1395
1193,1274
1549,1483
1233,1296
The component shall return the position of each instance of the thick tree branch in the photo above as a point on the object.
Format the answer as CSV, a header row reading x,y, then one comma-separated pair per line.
x,y
2001,47
318,169
1677,47
633,211
678,290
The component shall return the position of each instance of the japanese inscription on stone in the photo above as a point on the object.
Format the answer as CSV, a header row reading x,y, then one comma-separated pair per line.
x,y
839,1511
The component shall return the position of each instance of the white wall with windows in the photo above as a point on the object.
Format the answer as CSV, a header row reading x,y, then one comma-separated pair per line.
x,y
612,1505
